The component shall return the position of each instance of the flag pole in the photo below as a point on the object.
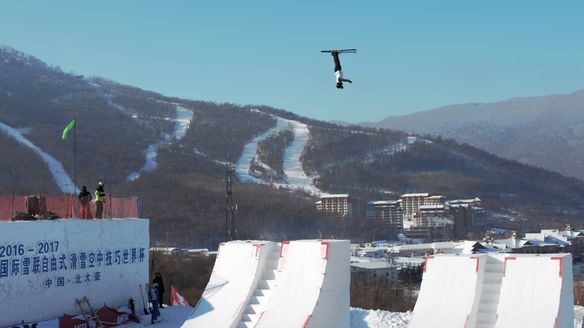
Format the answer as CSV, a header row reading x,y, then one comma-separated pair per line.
x,y
75,156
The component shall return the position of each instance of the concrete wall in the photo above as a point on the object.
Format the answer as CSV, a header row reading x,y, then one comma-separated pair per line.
x,y
46,265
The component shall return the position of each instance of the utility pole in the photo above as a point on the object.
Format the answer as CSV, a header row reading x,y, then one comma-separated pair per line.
x,y
230,207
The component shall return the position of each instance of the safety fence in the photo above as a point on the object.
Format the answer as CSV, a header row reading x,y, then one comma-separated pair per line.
x,y
66,206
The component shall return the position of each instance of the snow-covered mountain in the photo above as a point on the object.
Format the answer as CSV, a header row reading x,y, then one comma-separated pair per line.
x,y
172,153
543,131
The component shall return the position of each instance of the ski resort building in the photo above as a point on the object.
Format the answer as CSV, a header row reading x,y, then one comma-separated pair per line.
x,y
386,211
338,205
435,200
410,204
466,218
376,272
433,216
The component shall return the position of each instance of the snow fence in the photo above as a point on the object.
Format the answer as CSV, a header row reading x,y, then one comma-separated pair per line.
x,y
67,206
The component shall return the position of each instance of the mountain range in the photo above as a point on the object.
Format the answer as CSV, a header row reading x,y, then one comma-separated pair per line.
x,y
546,131
173,153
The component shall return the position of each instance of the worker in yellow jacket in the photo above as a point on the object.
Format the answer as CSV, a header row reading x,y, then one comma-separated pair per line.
x,y
99,200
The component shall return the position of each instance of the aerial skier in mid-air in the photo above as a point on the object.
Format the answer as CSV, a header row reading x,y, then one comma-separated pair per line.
x,y
338,69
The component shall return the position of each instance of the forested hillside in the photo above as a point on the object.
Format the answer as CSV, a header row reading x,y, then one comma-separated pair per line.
x,y
137,142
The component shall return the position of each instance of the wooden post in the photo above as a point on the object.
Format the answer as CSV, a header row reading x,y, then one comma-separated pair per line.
x,y
12,207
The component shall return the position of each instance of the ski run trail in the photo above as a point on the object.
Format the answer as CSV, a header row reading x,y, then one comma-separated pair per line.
x,y
182,121
295,176
60,176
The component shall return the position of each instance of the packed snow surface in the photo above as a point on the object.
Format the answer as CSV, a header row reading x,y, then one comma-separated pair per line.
x,y
249,153
182,122
174,316
55,167
378,319
295,176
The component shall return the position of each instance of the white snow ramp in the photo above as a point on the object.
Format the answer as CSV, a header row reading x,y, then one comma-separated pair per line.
x,y
258,284
500,290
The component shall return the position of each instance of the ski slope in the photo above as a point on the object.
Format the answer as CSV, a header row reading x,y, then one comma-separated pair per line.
x,y
249,153
182,123
499,290
292,165
60,176
295,176
262,284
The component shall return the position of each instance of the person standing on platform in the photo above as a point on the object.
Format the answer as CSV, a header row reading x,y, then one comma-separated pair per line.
x,y
99,200
158,280
85,200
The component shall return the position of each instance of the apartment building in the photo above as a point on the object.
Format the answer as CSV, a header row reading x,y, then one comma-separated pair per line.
x,y
410,204
433,216
338,205
388,211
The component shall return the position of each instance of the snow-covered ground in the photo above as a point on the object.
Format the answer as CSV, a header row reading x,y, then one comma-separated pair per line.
x,y
55,167
295,176
174,316
378,319
182,123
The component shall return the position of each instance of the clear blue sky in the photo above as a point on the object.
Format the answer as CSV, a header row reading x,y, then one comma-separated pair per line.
x,y
413,55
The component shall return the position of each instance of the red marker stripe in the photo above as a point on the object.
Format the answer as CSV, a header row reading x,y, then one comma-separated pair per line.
x,y
327,244
257,249
306,321
561,259
505,265
282,247
476,258
260,319
426,263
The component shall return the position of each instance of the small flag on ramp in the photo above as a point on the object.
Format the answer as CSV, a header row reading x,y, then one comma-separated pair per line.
x,y
177,299
68,128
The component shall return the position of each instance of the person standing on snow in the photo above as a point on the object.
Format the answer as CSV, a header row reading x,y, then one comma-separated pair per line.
x,y
154,300
99,200
85,200
158,280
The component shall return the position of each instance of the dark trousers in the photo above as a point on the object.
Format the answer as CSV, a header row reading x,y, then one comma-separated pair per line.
x,y
160,297
85,211
155,312
337,61
98,210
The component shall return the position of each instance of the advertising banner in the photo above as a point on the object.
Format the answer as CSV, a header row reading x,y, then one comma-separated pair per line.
x,y
46,265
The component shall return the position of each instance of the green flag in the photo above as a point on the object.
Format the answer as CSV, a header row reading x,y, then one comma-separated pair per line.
x,y
67,129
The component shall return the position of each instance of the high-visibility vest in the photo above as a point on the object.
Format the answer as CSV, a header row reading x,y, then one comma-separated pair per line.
x,y
99,194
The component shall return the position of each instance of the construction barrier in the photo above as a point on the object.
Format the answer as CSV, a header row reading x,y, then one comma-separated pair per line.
x,y
65,206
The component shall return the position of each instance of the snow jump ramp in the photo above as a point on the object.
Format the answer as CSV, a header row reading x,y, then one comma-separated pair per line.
x,y
500,291
293,284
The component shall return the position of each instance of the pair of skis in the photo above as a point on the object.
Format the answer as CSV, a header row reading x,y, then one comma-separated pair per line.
x,y
340,51
143,302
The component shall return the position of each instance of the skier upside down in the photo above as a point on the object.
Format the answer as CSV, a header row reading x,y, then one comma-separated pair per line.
x,y
338,69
